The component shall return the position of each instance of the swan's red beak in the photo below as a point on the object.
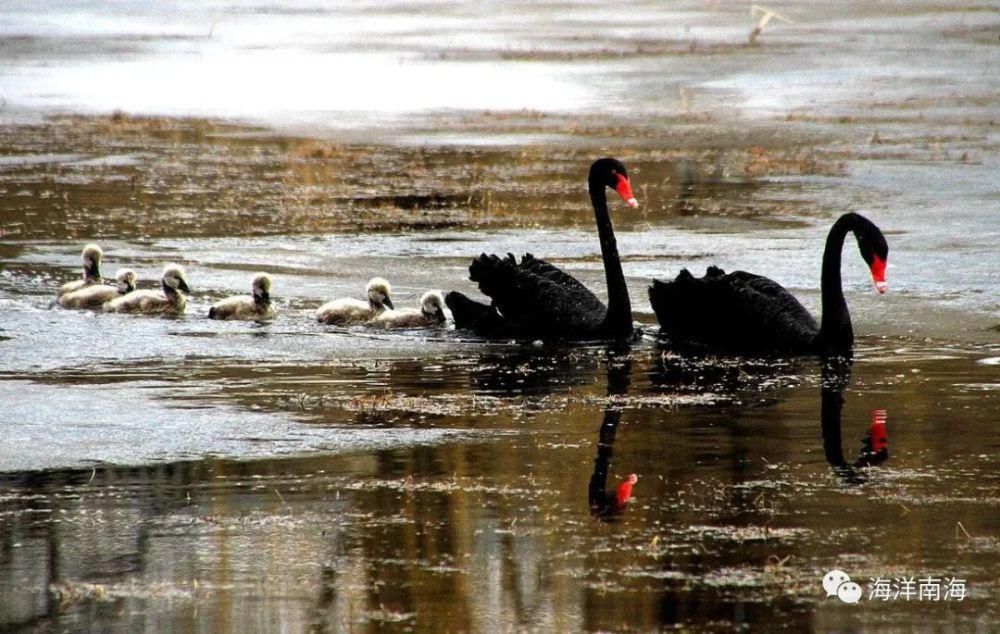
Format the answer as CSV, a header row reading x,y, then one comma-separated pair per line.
x,y
624,190
878,273
880,437
624,491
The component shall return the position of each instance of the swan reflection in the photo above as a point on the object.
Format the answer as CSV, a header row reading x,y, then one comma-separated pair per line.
x,y
836,375
607,505
530,371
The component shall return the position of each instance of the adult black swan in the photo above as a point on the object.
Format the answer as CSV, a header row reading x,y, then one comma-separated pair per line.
x,y
747,313
533,299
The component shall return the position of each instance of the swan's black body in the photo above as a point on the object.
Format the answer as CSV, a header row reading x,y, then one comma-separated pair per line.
x,y
533,299
747,313
732,311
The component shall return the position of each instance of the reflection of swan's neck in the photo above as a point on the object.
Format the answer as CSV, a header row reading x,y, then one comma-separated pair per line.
x,y
597,489
830,411
619,372
836,374
618,321
836,333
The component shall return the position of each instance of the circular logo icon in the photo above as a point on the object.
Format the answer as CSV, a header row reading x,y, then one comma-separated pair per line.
x,y
832,581
849,592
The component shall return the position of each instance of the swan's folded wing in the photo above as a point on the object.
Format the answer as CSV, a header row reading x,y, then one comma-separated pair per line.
x,y
537,296
774,305
553,273
734,311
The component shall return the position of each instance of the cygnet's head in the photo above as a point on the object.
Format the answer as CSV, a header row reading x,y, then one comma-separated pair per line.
x,y
432,306
125,280
173,278
378,290
261,286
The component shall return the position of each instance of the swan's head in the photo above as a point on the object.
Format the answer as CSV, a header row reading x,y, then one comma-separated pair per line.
x,y
261,286
432,306
611,173
378,290
125,280
173,278
874,250
92,255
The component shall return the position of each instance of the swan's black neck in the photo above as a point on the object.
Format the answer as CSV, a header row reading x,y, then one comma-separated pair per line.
x,y
618,321
835,332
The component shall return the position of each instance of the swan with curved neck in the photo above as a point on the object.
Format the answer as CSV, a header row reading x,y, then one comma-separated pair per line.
x,y
836,333
747,313
534,299
618,319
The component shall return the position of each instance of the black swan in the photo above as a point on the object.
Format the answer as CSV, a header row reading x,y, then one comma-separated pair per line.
x,y
534,299
747,313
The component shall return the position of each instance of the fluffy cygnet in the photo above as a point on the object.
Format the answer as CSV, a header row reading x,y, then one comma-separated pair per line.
x,y
430,314
91,256
255,307
95,296
167,301
348,310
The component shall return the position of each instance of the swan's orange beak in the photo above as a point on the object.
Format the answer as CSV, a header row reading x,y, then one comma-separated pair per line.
x,y
624,190
878,273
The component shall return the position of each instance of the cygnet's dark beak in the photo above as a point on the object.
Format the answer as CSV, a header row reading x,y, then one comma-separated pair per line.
x,y
388,302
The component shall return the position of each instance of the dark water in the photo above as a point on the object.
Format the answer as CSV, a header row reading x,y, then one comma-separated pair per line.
x,y
747,494
185,474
